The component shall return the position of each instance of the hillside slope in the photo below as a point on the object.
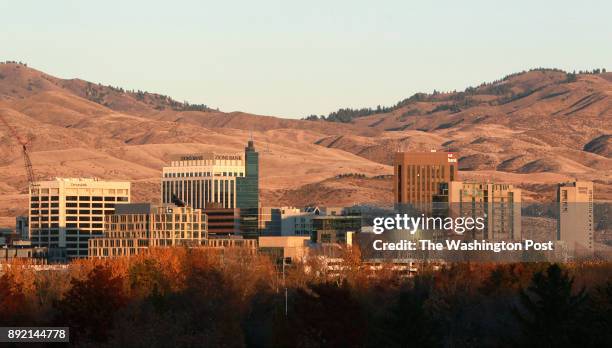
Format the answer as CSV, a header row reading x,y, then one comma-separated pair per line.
x,y
558,131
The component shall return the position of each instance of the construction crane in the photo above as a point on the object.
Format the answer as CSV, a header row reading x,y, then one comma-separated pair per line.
x,y
24,143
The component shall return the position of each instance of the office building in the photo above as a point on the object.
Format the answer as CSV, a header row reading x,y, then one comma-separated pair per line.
x,y
270,221
418,175
134,228
22,227
222,222
247,198
297,222
498,204
218,181
66,212
287,249
575,221
334,228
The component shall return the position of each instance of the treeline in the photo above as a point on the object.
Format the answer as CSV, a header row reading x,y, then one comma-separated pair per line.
x,y
98,93
460,99
15,62
184,298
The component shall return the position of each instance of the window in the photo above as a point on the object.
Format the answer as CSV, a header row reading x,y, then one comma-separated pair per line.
x,y
109,199
84,198
71,198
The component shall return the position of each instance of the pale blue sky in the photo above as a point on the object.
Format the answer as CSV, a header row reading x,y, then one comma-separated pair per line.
x,y
290,58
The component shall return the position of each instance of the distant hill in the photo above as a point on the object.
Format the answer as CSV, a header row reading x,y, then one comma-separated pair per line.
x,y
534,129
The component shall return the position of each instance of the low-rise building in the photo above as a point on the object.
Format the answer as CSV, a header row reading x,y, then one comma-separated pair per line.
x,y
134,228
334,228
288,248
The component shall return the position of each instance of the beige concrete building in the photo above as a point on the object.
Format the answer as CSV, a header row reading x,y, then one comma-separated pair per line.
x,y
575,221
134,228
418,175
289,248
66,212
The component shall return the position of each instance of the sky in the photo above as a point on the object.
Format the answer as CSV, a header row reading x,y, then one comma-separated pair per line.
x,y
292,59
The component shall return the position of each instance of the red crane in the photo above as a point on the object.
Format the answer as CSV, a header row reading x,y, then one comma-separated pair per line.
x,y
24,149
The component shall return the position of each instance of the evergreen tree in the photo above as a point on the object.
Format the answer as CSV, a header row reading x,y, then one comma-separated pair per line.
x,y
549,309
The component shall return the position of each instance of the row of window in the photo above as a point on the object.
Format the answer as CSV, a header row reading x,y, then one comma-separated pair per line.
x,y
44,232
97,198
79,198
44,198
84,218
201,174
72,205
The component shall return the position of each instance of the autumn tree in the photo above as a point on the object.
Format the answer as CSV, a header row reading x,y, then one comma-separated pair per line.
x,y
89,307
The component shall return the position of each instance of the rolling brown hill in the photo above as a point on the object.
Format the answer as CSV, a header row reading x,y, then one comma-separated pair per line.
x,y
533,129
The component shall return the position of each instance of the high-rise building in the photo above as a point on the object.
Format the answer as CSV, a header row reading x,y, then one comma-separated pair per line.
x,y
575,221
418,175
65,213
498,204
134,228
247,199
203,179
216,181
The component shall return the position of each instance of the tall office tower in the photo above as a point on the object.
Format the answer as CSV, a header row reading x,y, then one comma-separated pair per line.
x,y
216,181
247,199
498,204
417,176
134,228
203,179
575,221
65,213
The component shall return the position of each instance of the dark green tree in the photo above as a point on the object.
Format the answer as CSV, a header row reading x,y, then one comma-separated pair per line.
x,y
549,309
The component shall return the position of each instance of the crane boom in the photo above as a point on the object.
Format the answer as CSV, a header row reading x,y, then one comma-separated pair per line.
x,y
24,150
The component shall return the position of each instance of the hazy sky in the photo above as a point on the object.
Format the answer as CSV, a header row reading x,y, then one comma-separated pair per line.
x,y
292,59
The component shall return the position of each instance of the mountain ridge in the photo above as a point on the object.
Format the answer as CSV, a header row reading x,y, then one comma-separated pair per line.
x,y
558,132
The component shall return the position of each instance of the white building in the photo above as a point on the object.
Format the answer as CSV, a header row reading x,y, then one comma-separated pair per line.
x,y
201,179
64,213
